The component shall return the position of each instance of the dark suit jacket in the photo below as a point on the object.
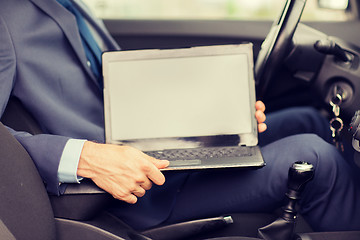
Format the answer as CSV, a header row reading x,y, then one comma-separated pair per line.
x,y
43,64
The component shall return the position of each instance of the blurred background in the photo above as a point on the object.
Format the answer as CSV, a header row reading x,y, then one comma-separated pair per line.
x,y
316,10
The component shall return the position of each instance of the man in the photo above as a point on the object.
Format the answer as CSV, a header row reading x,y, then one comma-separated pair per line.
x,y
45,63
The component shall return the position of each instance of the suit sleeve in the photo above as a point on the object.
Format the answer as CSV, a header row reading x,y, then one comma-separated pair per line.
x,y
44,149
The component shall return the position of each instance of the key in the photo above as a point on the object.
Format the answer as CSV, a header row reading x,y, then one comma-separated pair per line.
x,y
336,125
335,103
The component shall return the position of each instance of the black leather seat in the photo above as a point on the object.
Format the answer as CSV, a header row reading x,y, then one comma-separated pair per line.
x,y
25,209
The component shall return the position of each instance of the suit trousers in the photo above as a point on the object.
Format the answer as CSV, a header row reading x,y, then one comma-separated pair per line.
x,y
330,202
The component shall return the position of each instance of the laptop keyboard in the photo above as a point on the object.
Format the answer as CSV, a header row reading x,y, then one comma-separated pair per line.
x,y
201,153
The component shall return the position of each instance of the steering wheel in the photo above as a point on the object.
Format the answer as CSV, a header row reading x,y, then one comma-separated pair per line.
x,y
277,45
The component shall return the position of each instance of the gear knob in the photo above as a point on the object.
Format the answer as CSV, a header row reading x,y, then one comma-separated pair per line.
x,y
299,174
283,228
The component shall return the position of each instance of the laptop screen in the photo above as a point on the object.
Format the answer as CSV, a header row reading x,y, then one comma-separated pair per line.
x,y
179,95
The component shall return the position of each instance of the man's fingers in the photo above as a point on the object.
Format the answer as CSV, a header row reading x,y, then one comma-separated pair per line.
x,y
156,177
154,173
262,127
123,171
129,198
146,185
160,164
139,192
259,105
260,116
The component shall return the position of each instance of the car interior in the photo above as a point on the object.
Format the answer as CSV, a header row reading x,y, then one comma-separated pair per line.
x,y
296,63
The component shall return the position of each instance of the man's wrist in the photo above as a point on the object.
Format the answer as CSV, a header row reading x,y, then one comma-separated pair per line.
x,y
67,171
84,168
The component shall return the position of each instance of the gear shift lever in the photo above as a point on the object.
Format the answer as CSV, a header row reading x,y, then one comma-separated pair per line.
x,y
283,228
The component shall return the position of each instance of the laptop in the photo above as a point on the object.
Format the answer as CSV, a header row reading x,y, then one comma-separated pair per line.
x,y
192,106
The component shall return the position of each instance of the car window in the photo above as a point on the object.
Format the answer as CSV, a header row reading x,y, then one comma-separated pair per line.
x,y
214,9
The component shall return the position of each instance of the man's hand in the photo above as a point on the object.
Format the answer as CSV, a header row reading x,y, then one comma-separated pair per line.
x,y
123,171
260,116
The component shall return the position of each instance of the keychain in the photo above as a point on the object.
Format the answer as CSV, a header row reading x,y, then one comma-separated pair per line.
x,y
336,123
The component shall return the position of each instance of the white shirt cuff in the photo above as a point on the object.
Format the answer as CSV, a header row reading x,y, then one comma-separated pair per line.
x,y
69,161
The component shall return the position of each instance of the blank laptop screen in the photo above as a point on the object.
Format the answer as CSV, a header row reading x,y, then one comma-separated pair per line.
x,y
179,97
